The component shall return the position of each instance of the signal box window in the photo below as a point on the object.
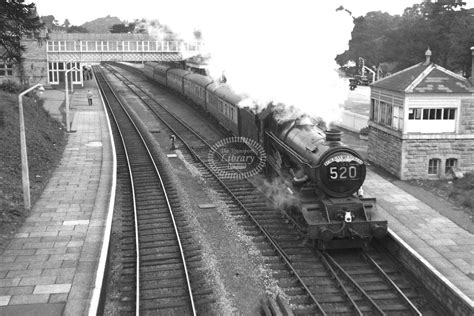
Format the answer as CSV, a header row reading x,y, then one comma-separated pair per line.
x,y
449,113
433,166
414,114
432,114
451,163
372,109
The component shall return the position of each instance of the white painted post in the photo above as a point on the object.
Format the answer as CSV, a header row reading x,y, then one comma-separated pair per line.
x,y
25,177
67,103
68,127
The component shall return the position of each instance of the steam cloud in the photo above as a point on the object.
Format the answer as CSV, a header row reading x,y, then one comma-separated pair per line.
x,y
281,196
274,51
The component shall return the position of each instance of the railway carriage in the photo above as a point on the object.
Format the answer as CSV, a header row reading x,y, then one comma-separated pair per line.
x,y
157,72
175,78
195,88
148,70
222,105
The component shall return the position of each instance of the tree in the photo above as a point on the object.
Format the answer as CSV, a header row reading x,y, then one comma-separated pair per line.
x,y
50,22
368,38
445,27
66,23
77,29
16,20
122,28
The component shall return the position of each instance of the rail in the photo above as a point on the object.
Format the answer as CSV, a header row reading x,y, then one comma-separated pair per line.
x,y
275,246
104,85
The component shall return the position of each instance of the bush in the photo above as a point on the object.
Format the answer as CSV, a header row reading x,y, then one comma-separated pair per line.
x,y
364,131
10,86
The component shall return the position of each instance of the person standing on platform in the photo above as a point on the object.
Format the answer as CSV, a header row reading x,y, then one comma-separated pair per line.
x,y
89,97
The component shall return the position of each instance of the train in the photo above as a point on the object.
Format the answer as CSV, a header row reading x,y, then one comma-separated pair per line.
x,y
324,176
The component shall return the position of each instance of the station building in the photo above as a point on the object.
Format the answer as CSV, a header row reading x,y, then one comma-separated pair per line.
x,y
422,123
48,57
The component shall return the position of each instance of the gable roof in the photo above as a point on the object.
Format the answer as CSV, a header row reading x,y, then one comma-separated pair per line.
x,y
425,78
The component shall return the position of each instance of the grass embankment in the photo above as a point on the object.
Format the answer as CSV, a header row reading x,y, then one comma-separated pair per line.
x,y
45,139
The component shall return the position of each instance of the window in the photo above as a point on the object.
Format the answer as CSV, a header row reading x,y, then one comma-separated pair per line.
x,y
414,114
53,72
6,69
433,166
385,113
372,109
91,46
450,164
432,114
376,111
70,45
449,113
397,122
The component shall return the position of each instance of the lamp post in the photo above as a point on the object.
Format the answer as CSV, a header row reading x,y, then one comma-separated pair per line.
x,y
24,156
68,127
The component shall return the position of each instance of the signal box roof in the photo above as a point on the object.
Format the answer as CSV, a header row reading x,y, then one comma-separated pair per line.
x,y
425,78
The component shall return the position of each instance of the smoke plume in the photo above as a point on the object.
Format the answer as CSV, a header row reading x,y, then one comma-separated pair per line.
x,y
274,51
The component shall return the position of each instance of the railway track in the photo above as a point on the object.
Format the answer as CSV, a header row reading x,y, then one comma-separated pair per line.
x,y
158,251
314,282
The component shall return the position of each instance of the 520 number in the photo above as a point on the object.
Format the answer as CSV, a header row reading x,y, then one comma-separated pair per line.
x,y
342,172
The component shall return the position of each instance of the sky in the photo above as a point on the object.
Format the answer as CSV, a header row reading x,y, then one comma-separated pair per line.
x,y
87,10
277,51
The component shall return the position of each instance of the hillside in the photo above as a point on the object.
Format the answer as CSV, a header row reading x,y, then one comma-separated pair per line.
x,y
101,25
45,139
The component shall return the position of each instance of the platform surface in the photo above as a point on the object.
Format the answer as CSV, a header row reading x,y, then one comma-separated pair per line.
x,y
49,267
445,245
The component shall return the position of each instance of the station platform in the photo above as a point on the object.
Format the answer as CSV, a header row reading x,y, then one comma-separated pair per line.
x,y
444,246
49,267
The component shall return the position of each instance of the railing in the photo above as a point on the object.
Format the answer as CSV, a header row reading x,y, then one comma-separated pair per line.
x,y
71,46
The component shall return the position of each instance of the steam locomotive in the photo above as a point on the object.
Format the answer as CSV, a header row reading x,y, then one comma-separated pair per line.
x,y
323,175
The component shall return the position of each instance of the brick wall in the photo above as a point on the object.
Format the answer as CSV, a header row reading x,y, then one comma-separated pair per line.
x,y
417,153
384,149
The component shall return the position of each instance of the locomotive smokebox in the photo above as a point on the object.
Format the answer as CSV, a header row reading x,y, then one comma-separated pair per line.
x,y
333,136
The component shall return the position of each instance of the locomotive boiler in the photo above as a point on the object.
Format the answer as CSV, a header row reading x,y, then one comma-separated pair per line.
x,y
325,177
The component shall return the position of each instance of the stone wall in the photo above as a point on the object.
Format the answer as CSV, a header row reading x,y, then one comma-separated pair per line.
x,y
384,148
417,153
466,116
35,66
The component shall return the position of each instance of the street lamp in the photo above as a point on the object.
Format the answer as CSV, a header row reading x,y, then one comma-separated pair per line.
x,y
68,127
24,156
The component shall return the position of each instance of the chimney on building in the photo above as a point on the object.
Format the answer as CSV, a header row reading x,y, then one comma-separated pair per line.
x,y
428,56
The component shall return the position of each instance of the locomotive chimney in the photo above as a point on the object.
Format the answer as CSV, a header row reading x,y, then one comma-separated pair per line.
x,y
333,136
